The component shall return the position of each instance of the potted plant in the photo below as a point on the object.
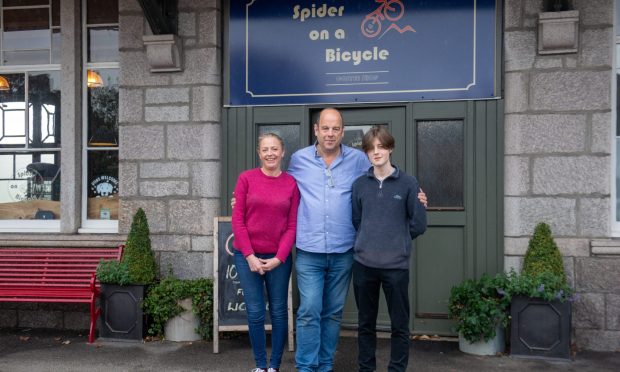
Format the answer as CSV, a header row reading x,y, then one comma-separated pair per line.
x,y
180,309
124,282
541,301
479,307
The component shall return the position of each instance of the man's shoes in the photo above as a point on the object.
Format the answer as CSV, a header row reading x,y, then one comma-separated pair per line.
x,y
273,369
259,370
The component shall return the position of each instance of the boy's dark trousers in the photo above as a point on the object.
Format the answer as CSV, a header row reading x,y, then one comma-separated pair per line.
x,y
366,284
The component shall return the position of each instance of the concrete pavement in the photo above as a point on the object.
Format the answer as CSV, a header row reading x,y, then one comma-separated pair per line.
x,y
36,350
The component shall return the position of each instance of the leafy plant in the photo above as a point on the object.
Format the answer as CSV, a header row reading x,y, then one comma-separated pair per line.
x,y
138,254
479,306
543,255
162,303
113,272
546,285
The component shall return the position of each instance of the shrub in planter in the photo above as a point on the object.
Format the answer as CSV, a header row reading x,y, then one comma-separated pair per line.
x,y
123,284
162,303
480,307
541,308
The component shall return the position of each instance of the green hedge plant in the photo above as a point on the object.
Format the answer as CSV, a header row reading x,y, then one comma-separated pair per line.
x,y
113,272
479,306
162,303
543,255
138,254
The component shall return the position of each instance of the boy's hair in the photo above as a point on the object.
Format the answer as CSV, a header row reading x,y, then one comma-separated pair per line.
x,y
382,134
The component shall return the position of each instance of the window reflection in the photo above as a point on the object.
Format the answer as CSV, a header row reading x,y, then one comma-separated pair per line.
x,y
44,113
102,185
103,110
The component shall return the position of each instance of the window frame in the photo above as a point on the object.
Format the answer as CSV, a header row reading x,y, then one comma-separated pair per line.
x,y
615,174
91,225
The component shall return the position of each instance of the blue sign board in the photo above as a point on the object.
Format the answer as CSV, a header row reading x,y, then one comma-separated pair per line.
x,y
346,51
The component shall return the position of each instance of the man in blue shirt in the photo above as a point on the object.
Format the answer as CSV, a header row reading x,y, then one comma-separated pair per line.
x,y
325,173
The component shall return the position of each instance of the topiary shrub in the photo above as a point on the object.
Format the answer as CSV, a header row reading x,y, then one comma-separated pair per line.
x,y
138,254
543,255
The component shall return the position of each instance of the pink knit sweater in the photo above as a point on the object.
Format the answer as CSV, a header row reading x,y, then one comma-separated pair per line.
x,y
265,215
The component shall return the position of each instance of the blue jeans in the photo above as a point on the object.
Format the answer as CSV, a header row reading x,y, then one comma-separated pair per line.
x,y
323,282
253,285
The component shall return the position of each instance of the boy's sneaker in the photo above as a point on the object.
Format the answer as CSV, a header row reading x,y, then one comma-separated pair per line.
x,y
273,369
259,370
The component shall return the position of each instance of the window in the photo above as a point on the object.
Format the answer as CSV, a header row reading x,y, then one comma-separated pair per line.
x,y
100,144
30,115
616,196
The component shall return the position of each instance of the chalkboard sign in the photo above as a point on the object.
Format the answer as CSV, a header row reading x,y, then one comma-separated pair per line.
x,y
228,303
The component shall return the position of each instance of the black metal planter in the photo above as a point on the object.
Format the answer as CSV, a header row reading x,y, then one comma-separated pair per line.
x,y
539,328
121,312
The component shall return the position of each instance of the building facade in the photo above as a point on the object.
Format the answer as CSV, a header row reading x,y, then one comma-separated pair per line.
x,y
541,149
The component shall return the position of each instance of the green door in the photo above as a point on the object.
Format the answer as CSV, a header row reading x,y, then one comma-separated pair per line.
x,y
455,150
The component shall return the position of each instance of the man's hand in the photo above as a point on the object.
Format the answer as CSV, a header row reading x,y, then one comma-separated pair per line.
x,y
422,198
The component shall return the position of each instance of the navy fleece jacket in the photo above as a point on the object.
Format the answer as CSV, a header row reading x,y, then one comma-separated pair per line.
x,y
387,216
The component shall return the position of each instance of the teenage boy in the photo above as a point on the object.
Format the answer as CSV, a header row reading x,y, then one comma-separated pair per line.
x,y
387,216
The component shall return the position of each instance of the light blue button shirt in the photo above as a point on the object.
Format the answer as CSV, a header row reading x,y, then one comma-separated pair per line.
x,y
324,216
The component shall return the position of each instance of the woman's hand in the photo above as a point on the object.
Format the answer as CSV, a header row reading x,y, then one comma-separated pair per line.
x,y
255,264
270,263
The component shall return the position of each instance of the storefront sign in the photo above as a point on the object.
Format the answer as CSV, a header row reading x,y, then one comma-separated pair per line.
x,y
295,52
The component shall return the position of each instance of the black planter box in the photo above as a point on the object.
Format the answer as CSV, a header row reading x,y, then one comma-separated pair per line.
x,y
121,312
539,328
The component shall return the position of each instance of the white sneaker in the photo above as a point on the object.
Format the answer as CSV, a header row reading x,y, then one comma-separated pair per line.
x,y
273,369
259,370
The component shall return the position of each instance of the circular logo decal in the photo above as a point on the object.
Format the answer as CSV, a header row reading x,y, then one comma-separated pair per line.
x,y
104,186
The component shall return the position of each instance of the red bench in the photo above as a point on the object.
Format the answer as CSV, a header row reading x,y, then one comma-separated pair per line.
x,y
64,275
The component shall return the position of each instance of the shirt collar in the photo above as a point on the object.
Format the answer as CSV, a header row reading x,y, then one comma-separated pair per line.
x,y
395,173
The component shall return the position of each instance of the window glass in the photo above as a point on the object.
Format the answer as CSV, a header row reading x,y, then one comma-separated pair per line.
x,y
44,109
103,44
101,12
440,162
8,3
103,109
56,41
13,112
25,29
102,185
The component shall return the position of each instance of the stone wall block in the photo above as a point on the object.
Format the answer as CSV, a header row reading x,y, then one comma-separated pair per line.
x,y
540,134
202,243
128,179
172,114
516,91
513,263
597,340
130,105
519,50
594,47
136,71
613,312
170,243
142,142
206,103
164,188
570,90
512,14
522,214
597,275
209,28
167,95
8,318
197,5
594,217
40,319
602,133
76,320
202,66
164,170
187,24
206,179
516,175
532,7
155,213
200,141
129,5
189,265
595,12
569,270
570,175
547,62
589,311
192,216
131,31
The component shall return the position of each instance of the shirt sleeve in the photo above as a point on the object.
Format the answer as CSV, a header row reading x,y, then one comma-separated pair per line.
x,y
288,238
239,227
356,205
415,212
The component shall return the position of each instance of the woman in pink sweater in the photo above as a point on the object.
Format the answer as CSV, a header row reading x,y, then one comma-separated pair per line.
x,y
264,221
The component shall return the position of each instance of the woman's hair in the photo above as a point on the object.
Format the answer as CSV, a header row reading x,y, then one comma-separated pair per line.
x,y
269,134
379,132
